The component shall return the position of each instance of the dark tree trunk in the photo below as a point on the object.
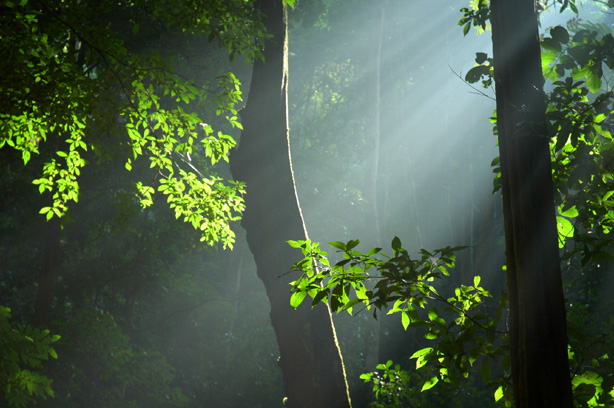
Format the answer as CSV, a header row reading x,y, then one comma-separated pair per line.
x,y
538,336
310,360
48,274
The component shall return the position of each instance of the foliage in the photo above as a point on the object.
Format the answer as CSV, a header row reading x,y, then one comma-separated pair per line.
x,y
478,12
24,348
579,118
148,316
74,82
90,84
394,387
577,63
580,122
405,285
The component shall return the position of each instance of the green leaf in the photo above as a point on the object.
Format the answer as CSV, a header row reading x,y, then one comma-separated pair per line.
x,y
339,245
571,212
475,73
485,371
422,352
297,298
559,34
476,280
396,244
405,320
481,57
593,82
319,296
499,393
430,383
551,45
296,244
352,244
565,229
348,306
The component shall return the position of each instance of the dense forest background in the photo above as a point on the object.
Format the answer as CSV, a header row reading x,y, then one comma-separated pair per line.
x,y
388,140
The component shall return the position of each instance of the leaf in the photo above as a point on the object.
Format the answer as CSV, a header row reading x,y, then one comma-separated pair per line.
x,y
430,383
559,34
481,57
297,298
564,227
485,371
405,320
352,244
296,244
593,82
571,212
422,352
548,58
396,244
339,245
476,280
319,296
499,393
599,118
348,306
475,73
551,45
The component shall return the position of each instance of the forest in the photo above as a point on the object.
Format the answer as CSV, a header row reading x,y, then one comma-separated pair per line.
x,y
306,203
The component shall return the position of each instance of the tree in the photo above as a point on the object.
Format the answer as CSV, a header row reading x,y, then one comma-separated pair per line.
x,y
538,331
63,80
310,359
79,86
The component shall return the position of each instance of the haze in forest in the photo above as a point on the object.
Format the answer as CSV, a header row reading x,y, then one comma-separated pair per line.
x,y
387,140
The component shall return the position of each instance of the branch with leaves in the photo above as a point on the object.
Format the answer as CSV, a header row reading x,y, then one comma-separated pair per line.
x,y
404,285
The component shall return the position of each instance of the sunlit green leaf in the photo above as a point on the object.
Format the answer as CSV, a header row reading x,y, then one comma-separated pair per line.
x,y
297,298
430,383
499,393
405,320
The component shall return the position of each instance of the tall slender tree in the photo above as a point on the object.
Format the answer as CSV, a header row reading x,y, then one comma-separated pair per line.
x,y
310,361
538,335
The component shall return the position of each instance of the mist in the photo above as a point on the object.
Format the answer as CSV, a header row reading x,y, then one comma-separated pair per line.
x,y
387,140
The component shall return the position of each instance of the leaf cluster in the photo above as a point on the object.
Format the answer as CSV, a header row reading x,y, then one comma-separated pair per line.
x,y
73,83
24,349
401,284
580,126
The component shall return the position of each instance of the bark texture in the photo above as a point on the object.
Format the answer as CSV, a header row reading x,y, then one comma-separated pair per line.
x,y
538,335
310,359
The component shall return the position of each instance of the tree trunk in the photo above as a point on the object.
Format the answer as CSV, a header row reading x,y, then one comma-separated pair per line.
x,y
310,360
538,334
48,274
